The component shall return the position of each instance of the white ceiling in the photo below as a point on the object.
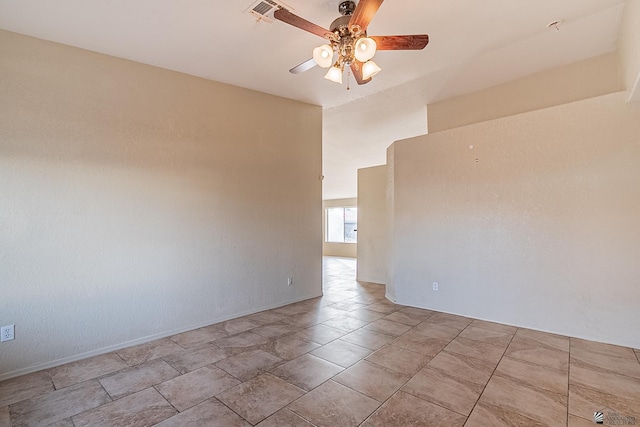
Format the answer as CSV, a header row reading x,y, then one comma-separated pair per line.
x,y
474,44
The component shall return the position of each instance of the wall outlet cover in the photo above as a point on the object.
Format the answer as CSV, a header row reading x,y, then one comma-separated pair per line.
x,y
7,333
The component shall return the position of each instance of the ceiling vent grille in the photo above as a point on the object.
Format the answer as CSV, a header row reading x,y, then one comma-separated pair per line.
x,y
263,9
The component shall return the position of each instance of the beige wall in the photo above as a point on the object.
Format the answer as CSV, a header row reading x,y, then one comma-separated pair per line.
x,y
630,49
531,220
372,224
138,202
580,80
349,250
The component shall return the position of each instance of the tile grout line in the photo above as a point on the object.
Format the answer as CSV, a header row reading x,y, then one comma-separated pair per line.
x,y
491,377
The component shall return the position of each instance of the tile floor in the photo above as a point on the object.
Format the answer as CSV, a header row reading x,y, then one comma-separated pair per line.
x,y
349,358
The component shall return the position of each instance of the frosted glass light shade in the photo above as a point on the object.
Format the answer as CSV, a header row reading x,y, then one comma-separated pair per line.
x,y
365,49
334,74
370,69
323,55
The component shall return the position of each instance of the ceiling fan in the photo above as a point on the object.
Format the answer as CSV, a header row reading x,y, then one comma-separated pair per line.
x,y
348,40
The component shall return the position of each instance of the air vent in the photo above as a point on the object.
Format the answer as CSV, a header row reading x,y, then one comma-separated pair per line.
x,y
263,9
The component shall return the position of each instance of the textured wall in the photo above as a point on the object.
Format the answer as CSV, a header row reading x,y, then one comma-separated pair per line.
x,y
137,202
629,48
580,80
372,224
531,220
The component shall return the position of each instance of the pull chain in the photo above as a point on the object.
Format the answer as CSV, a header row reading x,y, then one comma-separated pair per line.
x,y
348,78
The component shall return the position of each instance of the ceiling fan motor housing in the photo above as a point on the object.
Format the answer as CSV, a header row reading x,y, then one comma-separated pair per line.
x,y
346,8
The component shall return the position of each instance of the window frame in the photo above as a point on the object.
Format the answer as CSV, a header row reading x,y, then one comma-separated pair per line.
x,y
344,225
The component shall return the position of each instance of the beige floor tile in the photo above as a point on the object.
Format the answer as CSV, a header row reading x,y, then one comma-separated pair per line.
x,y
326,313
601,348
334,405
188,390
5,419
86,369
307,371
538,376
249,364
517,399
418,312
399,359
260,397
345,323
292,309
583,402
605,362
433,330
450,320
321,334
458,365
558,342
532,350
347,305
241,341
369,339
144,408
284,418
405,318
500,339
372,380
415,341
275,330
235,326
58,405
138,378
302,321
198,337
388,327
579,422
366,314
484,415
367,299
384,306
341,353
476,349
265,317
210,413
289,347
25,387
616,385
148,351
499,327
406,410
193,359
445,390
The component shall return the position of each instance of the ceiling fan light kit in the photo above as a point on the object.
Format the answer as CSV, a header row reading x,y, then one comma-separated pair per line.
x,y
323,55
349,43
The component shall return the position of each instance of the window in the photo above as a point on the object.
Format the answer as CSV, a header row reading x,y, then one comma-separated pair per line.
x,y
342,224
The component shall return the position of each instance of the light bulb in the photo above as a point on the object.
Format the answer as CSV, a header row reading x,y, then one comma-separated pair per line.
x,y
365,49
334,74
370,69
323,55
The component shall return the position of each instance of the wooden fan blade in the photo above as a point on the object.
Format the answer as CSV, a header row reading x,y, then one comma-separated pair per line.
x,y
412,42
305,66
364,13
291,19
356,70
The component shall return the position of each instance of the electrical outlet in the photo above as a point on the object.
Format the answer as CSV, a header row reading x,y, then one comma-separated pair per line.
x,y
7,333
290,281
435,286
